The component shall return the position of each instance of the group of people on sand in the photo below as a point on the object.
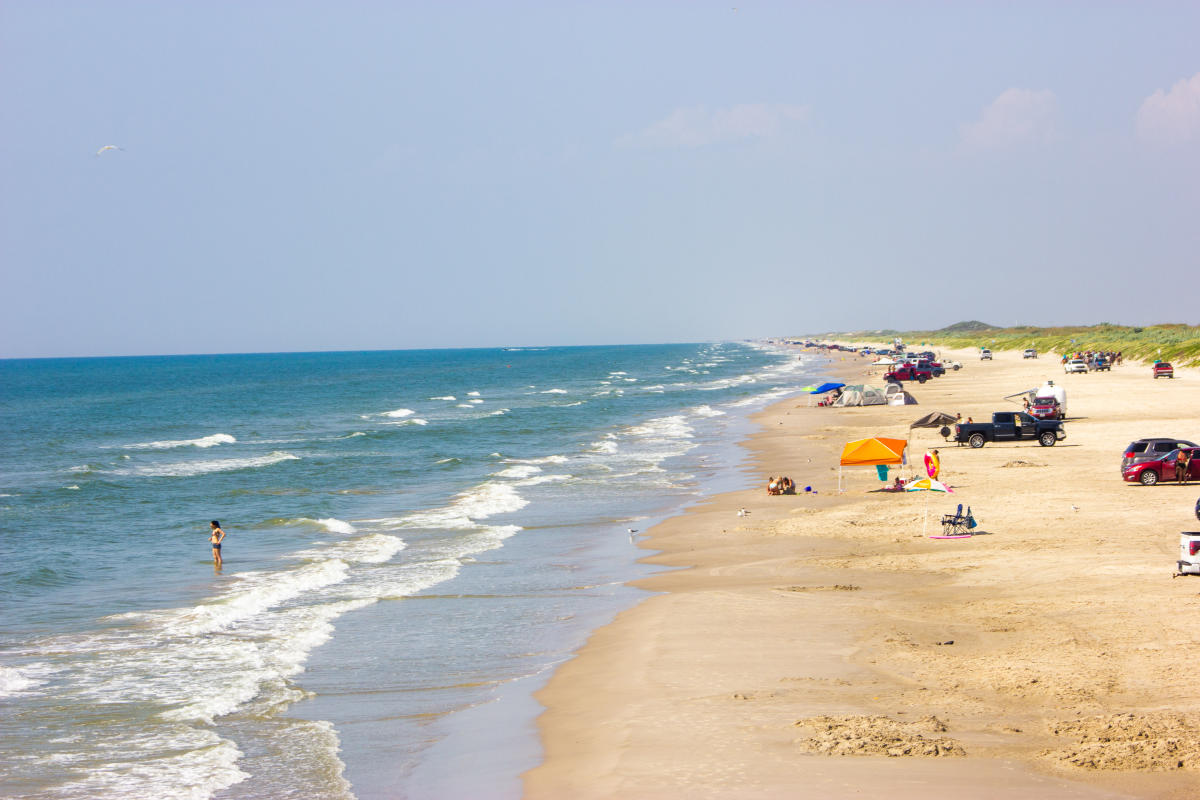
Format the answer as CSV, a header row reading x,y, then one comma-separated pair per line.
x,y
780,486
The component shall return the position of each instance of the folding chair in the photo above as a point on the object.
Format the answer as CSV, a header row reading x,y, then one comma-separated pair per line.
x,y
956,524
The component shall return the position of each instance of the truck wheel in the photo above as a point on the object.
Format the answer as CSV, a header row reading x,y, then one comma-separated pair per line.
x,y
1148,477
921,379
1047,439
976,440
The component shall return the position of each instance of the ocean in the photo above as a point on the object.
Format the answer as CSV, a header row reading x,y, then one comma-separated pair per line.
x,y
415,540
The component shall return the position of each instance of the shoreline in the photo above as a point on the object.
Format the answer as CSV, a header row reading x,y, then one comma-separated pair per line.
x,y
835,610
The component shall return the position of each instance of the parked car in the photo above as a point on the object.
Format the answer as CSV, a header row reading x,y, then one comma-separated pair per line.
x,y
1029,353
985,355
1075,365
1046,408
1164,370
1151,449
1149,473
1100,364
908,372
1008,426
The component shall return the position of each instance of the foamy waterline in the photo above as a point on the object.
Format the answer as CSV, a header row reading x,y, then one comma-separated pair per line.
x,y
203,442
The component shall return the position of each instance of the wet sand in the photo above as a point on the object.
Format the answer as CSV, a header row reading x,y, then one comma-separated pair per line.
x,y
824,646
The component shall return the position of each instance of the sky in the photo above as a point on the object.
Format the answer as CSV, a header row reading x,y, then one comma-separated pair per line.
x,y
389,175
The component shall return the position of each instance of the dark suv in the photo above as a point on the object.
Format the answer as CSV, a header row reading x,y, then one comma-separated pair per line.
x,y
1151,450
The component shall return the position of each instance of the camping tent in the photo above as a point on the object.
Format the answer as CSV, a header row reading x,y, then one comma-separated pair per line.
x,y
871,452
861,394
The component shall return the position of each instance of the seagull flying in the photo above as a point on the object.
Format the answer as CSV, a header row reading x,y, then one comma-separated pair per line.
x,y
109,147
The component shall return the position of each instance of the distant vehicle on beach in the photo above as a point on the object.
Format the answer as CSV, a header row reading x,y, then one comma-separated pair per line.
x,y
1149,473
1010,426
1163,370
908,372
1100,364
985,355
1075,365
1029,353
1151,450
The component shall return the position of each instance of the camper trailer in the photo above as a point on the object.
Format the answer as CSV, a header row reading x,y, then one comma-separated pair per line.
x,y
1053,399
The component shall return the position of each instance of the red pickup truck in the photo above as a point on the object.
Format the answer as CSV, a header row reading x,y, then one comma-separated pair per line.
x,y
908,372
1164,370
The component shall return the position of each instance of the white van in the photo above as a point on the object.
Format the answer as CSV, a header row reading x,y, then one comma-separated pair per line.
x,y
985,355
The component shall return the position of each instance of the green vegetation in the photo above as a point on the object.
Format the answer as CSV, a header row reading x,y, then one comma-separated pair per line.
x,y
1179,344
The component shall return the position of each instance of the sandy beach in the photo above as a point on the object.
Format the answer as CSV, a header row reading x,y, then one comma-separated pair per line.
x,y
824,646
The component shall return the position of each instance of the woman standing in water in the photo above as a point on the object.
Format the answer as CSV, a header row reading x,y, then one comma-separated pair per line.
x,y
216,538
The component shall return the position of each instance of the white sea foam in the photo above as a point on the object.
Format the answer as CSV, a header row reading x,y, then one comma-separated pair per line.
x,y
483,501
499,412
399,412
707,411
448,460
472,394
543,460
355,434
254,593
190,468
72,487
673,427
519,471
444,397
576,403
554,391
204,441
413,421
80,468
618,373
333,525
15,681
606,446
476,400
465,405
540,479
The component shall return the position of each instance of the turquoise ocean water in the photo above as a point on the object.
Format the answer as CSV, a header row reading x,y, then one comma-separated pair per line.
x,y
415,540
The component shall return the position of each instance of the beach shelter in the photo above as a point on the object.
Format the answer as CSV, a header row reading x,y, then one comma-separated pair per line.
x,y
935,420
824,388
929,484
870,453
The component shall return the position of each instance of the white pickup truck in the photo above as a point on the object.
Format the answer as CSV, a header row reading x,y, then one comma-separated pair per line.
x,y
1075,365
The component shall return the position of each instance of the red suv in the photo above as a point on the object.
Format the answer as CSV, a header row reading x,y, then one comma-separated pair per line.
x,y
1149,473
1046,408
1163,369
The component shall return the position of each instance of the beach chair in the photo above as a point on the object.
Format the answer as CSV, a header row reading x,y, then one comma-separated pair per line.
x,y
958,523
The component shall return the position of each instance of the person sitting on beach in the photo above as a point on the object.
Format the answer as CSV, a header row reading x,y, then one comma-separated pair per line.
x,y
772,486
786,486
898,485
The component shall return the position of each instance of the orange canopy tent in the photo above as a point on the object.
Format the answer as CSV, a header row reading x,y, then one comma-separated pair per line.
x,y
870,452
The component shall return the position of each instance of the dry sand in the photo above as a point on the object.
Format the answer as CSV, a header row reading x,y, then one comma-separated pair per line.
x,y
824,647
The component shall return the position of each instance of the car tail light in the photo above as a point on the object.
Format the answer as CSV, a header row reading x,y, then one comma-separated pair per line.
x,y
1193,548
1130,454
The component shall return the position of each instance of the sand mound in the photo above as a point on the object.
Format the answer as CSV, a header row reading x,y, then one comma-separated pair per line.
x,y
1154,741
876,736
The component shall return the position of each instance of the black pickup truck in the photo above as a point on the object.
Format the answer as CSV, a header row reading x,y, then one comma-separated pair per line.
x,y
1010,426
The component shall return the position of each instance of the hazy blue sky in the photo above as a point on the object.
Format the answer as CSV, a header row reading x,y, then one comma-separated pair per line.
x,y
308,176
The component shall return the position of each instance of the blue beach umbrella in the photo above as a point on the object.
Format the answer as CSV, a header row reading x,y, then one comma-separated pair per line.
x,y
826,387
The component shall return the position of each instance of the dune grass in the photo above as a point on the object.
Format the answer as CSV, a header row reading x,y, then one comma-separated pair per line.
x,y
1177,343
